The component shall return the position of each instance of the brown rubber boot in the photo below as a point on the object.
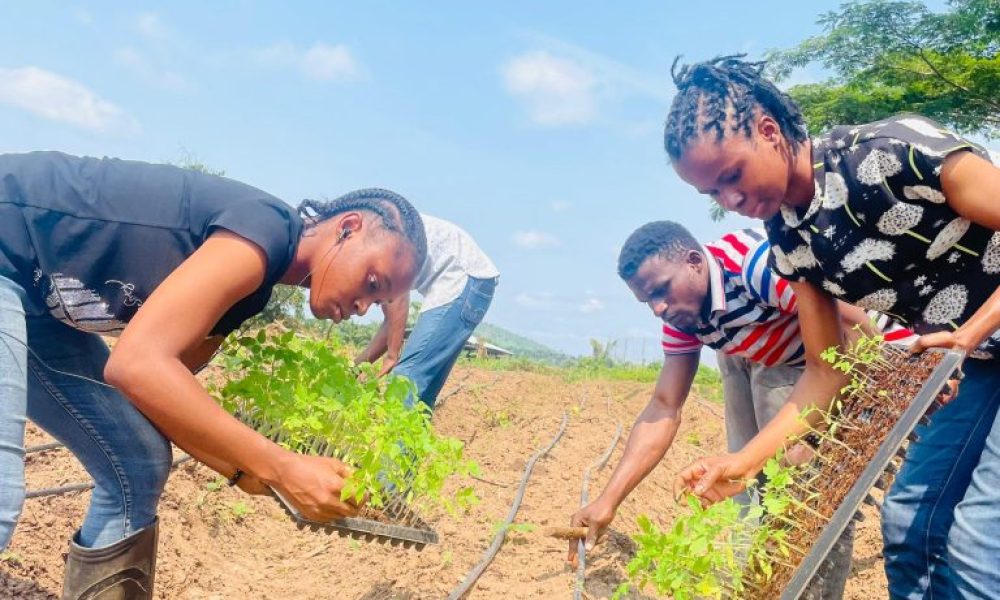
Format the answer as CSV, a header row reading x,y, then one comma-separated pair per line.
x,y
121,571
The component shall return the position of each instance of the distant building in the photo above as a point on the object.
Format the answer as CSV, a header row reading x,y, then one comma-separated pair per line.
x,y
476,347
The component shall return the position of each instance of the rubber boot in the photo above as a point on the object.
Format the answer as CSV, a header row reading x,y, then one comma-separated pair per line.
x,y
121,571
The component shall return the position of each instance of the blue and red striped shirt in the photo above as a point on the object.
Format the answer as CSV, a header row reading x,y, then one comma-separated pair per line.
x,y
753,312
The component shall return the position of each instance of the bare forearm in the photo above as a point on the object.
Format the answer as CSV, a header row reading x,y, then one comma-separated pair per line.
x,y
652,435
177,404
377,347
821,384
396,313
982,324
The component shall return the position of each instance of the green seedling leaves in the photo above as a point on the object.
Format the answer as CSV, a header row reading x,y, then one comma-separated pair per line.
x,y
320,399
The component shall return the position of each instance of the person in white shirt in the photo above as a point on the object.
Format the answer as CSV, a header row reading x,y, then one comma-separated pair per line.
x,y
457,282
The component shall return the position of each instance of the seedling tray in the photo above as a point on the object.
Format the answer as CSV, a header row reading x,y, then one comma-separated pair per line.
x,y
395,523
416,535
889,447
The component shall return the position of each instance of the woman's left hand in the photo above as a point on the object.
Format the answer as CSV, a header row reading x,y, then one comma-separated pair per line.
x,y
948,340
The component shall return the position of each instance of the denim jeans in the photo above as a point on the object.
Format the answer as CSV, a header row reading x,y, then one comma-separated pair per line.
x,y
124,453
438,336
13,406
941,518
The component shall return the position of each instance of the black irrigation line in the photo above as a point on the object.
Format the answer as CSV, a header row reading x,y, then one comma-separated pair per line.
x,y
83,486
491,552
581,554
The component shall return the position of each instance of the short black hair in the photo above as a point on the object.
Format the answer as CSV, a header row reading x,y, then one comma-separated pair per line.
x,y
659,238
722,95
396,213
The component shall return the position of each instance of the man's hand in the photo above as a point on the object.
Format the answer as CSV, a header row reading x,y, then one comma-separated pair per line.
x,y
389,362
713,479
596,517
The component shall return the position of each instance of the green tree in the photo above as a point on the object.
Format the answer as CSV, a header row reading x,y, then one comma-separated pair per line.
x,y
890,56
414,314
189,160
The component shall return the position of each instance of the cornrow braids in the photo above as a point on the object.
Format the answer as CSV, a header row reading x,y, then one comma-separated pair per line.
x,y
658,238
395,212
723,95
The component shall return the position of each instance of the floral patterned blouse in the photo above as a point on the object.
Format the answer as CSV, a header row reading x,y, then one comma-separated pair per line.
x,y
879,234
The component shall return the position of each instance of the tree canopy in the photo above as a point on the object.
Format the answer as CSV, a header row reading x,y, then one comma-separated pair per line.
x,y
888,57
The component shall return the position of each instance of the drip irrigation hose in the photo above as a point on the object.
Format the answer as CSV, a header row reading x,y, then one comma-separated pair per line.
x,y
491,552
581,553
43,447
83,486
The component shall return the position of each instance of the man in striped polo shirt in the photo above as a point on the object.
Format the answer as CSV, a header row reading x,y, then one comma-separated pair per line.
x,y
722,295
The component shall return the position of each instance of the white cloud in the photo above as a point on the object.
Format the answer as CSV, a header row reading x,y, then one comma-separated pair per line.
x,y
564,84
556,91
320,62
615,78
535,300
535,240
561,206
591,306
157,76
152,27
58,98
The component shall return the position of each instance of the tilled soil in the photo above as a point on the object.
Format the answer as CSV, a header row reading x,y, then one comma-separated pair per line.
x,y
216,543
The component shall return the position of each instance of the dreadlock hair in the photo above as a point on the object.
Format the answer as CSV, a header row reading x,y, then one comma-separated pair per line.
x,y
724,94
658,238
395,212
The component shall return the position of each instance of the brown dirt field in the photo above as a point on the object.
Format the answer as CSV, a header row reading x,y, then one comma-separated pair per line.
x,y
208,551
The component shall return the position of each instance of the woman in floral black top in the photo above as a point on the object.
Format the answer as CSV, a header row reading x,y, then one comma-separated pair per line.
x,y
899,216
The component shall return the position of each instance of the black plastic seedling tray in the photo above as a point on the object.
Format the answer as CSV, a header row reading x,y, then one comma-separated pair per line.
x,y
416,535
892,443
400,527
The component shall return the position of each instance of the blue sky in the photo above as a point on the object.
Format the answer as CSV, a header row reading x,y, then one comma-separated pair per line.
x,y
535,126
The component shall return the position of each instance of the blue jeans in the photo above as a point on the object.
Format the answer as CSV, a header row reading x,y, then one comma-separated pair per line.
x,y
438,336
13,406
124,453
941,518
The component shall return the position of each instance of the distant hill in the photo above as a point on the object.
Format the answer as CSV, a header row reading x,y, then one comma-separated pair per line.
x,y
520,345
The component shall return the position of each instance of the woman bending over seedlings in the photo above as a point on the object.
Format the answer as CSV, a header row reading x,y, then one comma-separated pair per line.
x,y
170,261
899,216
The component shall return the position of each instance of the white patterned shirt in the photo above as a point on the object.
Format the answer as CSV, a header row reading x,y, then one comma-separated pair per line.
x,y
452,257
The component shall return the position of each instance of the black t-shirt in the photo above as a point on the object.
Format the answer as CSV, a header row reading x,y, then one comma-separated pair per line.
x,y
879,233
90,239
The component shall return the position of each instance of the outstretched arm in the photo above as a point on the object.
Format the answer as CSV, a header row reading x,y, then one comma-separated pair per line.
x,y
652,435
388,340
718,477
147,365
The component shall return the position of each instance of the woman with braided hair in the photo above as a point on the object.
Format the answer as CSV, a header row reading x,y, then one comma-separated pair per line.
x,y
170,260
899,216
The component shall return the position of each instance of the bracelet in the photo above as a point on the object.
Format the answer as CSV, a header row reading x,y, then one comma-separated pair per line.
x,y
235,478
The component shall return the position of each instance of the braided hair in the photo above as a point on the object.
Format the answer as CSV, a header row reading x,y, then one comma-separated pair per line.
x,y
725,94
395,212
659,238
